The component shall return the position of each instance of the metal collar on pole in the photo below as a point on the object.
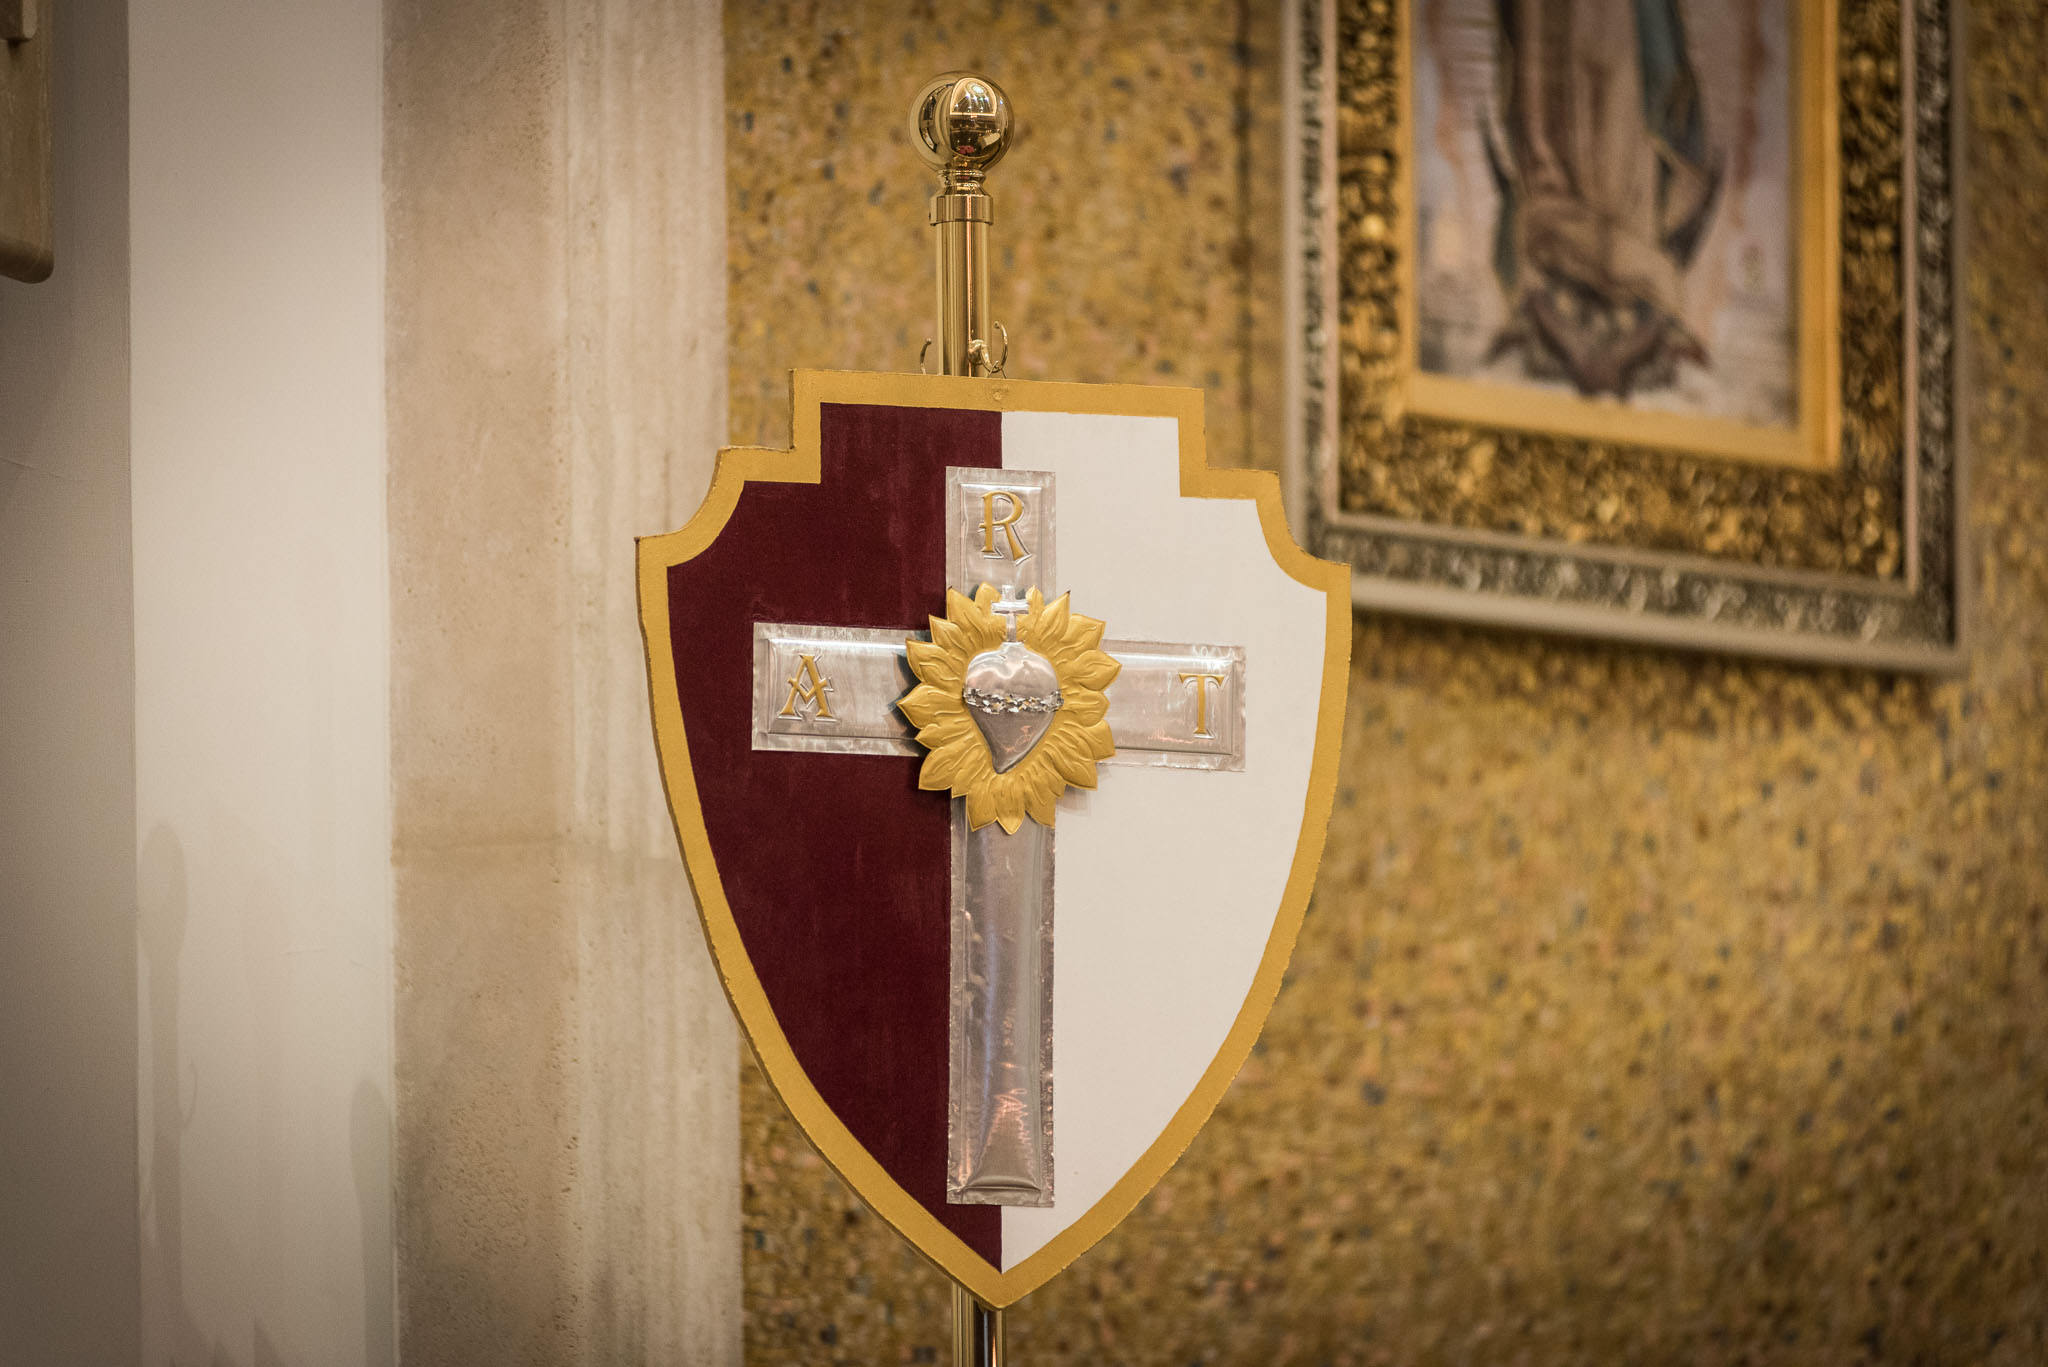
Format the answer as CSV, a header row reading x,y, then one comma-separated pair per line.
x,y
960,125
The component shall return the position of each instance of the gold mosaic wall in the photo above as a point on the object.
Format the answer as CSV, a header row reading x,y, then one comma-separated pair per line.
x,y
1652,1008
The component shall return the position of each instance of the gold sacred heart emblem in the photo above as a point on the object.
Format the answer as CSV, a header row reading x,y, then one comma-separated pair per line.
x,y
1010,712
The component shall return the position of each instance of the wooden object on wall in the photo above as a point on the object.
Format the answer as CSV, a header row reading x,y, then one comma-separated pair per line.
x,y
25,219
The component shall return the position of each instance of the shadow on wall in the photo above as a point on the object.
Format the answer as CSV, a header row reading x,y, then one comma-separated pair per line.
x,y
161,902
369,1146
171,1331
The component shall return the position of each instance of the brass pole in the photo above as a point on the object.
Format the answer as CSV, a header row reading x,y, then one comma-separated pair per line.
x,y
960,125
977,1332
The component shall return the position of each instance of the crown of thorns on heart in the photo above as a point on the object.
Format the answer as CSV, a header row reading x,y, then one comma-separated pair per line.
x,y
954,716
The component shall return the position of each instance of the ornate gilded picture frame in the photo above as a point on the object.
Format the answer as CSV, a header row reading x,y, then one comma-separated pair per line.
x,y
1684,374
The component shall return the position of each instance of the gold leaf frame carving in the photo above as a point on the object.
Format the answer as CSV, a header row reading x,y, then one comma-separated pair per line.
x,y
1628,533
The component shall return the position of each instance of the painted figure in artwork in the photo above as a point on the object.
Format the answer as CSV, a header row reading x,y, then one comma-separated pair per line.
x,y
1603,151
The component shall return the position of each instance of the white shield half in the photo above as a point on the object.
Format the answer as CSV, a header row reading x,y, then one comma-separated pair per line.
x,y
1168,881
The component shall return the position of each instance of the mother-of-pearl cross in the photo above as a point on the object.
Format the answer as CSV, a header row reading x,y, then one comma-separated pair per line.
x,y
835,689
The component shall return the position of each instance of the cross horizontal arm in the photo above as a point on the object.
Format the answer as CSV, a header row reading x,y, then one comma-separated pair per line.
x,y
834,689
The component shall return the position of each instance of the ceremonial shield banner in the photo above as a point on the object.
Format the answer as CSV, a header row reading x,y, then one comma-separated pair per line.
x,y
1000,734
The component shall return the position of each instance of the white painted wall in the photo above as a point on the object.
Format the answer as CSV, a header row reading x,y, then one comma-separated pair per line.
x,y
196,663
261,674
67,778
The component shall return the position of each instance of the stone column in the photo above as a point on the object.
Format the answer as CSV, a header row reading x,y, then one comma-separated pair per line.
x,y
567,1163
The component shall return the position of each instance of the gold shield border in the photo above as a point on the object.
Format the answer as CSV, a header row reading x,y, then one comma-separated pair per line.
x,y
801,465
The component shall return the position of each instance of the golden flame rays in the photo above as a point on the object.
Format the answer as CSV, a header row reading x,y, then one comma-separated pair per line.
x,y
957,759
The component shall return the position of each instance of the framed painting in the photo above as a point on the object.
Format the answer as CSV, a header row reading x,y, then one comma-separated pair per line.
x,y
1633,318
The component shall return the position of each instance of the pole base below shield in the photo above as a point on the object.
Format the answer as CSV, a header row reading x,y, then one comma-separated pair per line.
x,y
977,1332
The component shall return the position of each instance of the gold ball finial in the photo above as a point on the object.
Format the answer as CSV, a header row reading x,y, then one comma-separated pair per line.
x,y
960,125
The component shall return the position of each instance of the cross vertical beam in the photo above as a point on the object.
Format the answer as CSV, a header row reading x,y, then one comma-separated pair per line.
x,y
1000,1108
